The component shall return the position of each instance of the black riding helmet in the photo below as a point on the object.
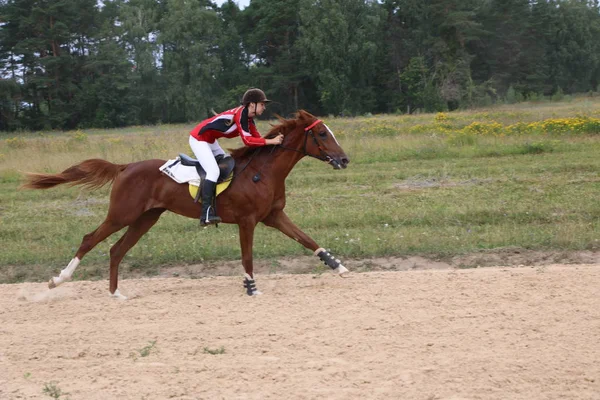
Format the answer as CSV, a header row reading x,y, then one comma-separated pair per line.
x,y
254,95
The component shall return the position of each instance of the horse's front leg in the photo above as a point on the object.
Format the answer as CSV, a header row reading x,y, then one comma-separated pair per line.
x,y
246,229
278,219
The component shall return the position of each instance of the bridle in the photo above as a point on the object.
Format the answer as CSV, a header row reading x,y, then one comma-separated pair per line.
x,y
309,131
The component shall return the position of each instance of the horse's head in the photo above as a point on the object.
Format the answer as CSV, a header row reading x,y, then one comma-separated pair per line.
x,y
310,136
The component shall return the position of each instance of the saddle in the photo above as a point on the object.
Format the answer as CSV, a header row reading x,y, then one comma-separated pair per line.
x,y
185,169
225,163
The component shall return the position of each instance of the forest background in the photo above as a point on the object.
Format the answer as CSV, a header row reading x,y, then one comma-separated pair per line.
x,y
69,64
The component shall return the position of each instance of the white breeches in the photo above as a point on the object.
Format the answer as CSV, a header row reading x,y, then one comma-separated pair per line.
x,y
205,153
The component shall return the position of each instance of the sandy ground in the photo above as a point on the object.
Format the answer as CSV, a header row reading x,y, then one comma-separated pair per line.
x,y
485,333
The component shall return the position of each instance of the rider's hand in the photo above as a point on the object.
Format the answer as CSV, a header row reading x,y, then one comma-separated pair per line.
x,y
276,140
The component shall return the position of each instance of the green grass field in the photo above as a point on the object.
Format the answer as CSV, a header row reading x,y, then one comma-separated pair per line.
x,y
522,176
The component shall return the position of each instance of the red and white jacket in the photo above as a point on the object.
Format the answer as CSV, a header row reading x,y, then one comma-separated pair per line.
x,y
229,124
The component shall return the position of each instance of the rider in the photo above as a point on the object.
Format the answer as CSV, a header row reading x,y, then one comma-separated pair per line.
x,y
229,124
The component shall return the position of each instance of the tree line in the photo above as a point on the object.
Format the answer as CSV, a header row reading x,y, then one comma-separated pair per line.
x,y
68,64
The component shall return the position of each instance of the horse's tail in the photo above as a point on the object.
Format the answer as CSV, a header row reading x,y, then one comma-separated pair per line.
x,y
92,174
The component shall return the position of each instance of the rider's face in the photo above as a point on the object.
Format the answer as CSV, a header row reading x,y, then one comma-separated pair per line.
x,y
257,109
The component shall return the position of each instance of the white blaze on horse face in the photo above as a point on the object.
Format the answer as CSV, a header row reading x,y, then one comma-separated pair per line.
x,y
332,135
67,273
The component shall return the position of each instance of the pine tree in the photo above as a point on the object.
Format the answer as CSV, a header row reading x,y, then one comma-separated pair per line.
x,y
339,44
271,31
189,32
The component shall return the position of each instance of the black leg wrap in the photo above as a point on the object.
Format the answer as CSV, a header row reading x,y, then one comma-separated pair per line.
x,y
250,286
328,259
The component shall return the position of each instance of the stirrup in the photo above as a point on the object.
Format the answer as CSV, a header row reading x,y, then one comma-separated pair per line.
x,y
211,218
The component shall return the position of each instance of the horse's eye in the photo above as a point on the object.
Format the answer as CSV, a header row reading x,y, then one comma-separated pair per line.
x,y
323,135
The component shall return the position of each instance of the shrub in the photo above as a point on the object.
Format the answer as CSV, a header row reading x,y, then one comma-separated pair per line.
x,y
16,143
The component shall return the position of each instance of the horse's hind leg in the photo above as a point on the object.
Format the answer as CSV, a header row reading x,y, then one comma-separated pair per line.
x,y
89,241
135,231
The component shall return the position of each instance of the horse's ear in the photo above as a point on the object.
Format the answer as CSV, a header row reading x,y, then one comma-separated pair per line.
x,y
277,129
305,115
280,119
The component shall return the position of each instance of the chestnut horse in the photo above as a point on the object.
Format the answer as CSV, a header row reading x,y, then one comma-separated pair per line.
x,y
141,193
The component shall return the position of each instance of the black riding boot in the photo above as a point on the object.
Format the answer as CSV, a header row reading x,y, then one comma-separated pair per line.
x,y
208,215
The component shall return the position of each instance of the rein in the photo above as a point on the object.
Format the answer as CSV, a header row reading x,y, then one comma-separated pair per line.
x,y
256,177
307,131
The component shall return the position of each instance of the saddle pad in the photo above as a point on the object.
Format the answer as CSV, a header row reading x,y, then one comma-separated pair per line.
x,y
180,173
221,186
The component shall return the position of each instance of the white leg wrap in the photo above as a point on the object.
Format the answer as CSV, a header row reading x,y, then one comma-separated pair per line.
x,y
328,259
342,271
317,251
118,295
65,274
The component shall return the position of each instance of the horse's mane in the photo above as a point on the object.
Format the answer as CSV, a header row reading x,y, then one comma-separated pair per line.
x,y
284,127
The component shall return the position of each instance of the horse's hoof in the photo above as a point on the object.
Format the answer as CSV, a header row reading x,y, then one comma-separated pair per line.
x,y
342,271
117,295
256,293
51,284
